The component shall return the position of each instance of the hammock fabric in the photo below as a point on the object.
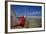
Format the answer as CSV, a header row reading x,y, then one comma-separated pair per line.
x,y
21,21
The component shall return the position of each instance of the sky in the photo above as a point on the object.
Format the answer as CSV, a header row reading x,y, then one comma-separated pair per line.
x,y
21,10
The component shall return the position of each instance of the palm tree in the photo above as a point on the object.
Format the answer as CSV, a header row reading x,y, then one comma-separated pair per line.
x,y
13,19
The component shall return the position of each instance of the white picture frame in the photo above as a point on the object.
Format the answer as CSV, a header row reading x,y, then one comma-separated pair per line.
x,y
28,4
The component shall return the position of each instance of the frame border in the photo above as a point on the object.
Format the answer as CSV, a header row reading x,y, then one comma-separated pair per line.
x,y
6,18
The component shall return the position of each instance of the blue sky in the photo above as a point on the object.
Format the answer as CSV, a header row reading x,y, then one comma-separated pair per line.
x,y
21,10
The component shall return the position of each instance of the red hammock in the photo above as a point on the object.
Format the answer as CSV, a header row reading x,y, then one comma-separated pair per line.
x,y
21,21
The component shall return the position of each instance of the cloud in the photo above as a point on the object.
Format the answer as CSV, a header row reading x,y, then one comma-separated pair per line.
x,y
34,13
